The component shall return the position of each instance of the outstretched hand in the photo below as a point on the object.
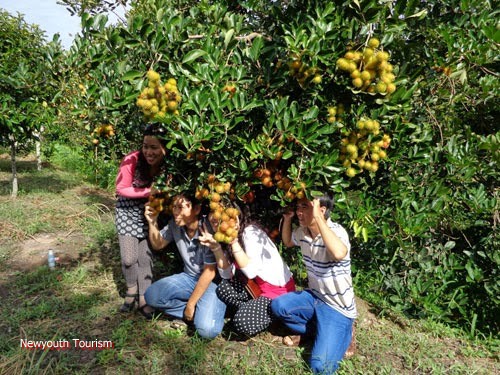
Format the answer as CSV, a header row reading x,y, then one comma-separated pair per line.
x,y
207,239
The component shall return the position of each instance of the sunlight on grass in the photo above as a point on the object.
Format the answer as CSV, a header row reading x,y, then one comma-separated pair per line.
x,y
80,300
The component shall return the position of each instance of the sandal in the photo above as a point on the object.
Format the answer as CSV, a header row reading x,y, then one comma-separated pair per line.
x,y
128,307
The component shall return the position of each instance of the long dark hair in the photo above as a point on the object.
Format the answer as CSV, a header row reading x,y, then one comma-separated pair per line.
x,y
246,220
142,175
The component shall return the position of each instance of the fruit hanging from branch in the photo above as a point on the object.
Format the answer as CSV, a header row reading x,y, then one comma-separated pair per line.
x,y
369,69
302,72
363,148
157,99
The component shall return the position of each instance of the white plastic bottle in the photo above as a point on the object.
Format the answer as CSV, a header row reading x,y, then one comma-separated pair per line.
x,y
51,258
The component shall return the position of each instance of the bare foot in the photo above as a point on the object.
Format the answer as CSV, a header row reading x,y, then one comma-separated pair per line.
x,y
293,340
351,350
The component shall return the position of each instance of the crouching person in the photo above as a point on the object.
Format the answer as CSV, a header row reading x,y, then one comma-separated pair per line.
x,y
191,294
325,310
253,256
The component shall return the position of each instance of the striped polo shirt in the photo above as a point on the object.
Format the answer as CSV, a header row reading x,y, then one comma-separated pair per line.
x,y
329,280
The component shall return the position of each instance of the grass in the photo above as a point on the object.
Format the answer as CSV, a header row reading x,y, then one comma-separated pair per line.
x,y
79,300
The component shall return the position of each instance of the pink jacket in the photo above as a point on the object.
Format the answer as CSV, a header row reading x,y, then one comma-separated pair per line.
x,y
126,177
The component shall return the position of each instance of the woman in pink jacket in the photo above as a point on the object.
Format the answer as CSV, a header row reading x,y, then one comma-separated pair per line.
x,y
136,174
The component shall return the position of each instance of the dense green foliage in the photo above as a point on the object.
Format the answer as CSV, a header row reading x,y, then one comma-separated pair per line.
x,y
425,224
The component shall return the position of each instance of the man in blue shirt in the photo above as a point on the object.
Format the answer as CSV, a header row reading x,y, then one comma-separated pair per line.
x,y
189,295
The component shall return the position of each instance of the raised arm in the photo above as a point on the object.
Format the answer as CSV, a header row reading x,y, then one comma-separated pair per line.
x,y
286,229
155,238
332,242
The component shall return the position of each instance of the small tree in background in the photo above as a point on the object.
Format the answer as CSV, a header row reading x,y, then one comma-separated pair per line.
x,y
27,84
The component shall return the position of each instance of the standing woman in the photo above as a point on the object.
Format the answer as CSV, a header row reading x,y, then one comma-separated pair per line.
x,y
136,174
255,255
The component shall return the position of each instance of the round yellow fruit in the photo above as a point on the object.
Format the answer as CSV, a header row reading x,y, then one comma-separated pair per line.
x,y
172,105
357,82
373,43
219,237
317,79
391,87
350,172
381,87
355,74
349,55
365,75
351,148
152,75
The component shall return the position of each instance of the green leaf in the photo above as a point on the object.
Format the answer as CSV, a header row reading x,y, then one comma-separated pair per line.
x,y
228,37
287,154
243,165
257,45
364,232
193,55
420,14
132,75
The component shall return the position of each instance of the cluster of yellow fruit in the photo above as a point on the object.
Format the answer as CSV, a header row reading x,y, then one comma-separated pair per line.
x,y
219,195
292,191
369,69
364,147
303,73
228,228
266,176
104,130
335,113
158,99
160,202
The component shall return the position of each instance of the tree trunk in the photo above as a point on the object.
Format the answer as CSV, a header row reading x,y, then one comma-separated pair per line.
x,y
13,147
38,142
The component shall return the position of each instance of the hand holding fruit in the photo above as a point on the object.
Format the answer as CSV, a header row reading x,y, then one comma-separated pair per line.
x,y
151,214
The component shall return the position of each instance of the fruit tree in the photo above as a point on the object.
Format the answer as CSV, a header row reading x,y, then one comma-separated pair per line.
x,y
266,102
28,65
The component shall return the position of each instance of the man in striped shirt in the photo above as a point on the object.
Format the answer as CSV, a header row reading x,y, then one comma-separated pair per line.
x,y
327,308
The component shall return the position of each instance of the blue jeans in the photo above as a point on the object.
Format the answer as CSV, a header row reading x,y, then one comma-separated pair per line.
x,y
171,294
303,312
